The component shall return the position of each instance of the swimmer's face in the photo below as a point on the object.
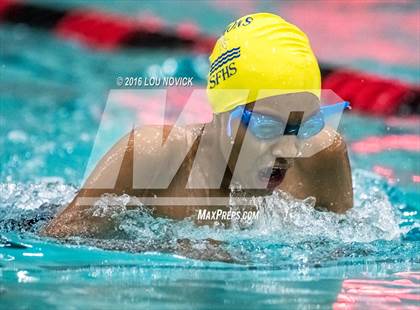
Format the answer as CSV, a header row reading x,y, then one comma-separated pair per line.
x,y
263,163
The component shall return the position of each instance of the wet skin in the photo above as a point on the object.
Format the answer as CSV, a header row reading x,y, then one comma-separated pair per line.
x,y
326,175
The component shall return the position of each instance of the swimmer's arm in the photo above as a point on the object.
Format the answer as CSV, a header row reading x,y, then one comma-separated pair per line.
x,y
113,174
333,183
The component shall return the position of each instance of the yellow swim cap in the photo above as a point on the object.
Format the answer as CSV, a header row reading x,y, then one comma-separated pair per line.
x,y
260,52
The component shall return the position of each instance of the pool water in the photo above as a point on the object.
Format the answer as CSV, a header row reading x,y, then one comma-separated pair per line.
x,y
52,96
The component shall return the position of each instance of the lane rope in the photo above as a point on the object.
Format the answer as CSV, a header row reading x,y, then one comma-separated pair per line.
x,y
368,94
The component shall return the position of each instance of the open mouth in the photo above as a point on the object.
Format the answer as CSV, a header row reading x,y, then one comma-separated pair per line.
x,y
273,176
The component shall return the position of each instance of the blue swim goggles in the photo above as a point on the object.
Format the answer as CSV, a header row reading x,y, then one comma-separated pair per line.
x,y
267,127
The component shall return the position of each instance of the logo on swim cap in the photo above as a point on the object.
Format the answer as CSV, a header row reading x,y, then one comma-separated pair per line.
x,y
223,43
261,52
241,22
223,67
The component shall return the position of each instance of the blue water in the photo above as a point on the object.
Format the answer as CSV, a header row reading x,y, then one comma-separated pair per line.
x,y
51,99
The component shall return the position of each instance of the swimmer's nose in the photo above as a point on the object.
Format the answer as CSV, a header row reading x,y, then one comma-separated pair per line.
x,y
286,147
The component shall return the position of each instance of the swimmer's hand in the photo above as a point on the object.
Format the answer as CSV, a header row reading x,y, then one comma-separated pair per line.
x,y
208,249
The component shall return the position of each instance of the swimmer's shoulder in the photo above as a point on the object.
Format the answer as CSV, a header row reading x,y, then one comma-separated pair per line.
x,y
333,141
338,144
159,142
151,143
142,150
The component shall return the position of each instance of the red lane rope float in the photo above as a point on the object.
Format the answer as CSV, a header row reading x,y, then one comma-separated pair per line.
x,y
103,30
4,6
367,94
373,95
94,29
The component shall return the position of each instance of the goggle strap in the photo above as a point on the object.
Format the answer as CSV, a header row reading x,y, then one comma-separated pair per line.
x,y
328,110
236,113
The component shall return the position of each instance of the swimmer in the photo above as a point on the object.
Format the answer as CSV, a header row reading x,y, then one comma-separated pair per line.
x,y
278,120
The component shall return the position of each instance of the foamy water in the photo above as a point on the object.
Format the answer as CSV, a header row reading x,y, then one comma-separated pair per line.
x,y
286,229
